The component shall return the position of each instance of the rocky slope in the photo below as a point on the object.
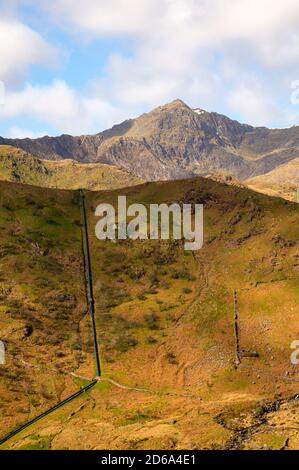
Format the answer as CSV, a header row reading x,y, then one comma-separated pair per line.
x,y
174,141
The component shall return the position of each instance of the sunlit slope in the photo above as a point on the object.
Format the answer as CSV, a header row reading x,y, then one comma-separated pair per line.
x,y
18,166
43,321
158,304
165,321
283,181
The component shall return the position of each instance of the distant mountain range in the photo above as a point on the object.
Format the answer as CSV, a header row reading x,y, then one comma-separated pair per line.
x,y
164,320
175,141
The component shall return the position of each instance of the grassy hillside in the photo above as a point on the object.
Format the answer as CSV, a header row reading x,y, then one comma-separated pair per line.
x,y
42,299
164,318
16,165
283,181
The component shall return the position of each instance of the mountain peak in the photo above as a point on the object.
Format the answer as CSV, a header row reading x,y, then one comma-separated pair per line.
x,y
178,103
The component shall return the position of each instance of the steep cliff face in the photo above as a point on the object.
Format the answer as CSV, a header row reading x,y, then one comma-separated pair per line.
x,y
57,148
174,141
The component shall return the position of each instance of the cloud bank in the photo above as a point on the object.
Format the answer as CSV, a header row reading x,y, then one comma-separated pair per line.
x,y
232,56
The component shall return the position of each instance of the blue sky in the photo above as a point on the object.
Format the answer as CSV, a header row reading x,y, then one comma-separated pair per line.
x,y
80,66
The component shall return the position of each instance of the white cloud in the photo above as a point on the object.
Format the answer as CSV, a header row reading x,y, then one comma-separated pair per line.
x,y
194,49
61,106
98,17
20,47
269,28
253,104
16,132
215,54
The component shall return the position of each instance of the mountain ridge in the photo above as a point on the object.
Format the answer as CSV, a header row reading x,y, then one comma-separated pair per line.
x,y
16,165
175,141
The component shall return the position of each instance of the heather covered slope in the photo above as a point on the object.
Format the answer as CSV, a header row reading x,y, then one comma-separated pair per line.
x,y
251,244
165,322
16,165
175,141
